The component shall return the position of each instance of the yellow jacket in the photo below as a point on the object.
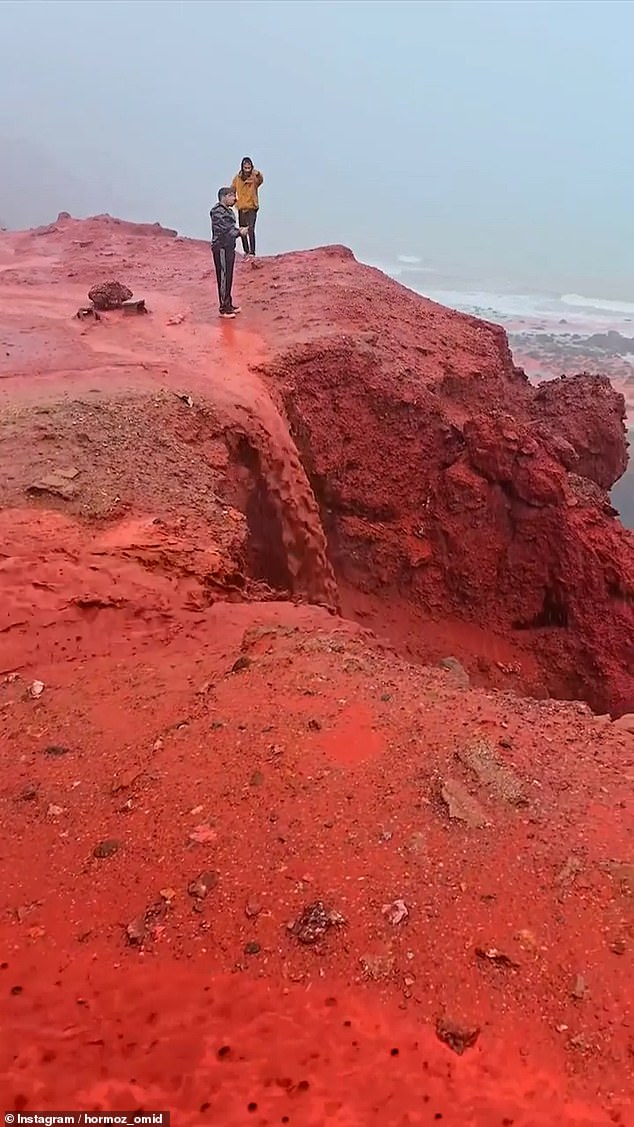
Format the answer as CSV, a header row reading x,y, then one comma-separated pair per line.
x,y
247,190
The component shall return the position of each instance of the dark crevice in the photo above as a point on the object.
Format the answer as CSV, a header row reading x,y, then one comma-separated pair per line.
x,y
616,589
266,553
553,613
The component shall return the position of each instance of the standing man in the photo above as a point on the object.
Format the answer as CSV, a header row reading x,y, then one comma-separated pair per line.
x,y
246,185
224,232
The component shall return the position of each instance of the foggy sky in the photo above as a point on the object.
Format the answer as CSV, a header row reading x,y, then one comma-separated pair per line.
x,y
491,139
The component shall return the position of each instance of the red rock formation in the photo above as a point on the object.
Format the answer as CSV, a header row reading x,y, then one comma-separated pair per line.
x,y
192,755
443,475
584,425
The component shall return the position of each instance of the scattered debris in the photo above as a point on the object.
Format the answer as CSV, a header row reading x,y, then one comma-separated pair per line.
x,y
36,689
97,602
136,305
56,750
168,894
24,910
256,780
203,884
106,848
126,780
396,912
314,725
186,399
461,806
618,947
55,484
176,319
623,872
457,1037
580,1043
203,834
252,948
86,312
136,930
378,967
147,925
243,662
481,758
498,957
569,872
314,922
579,990
29,793
417,843
54,811
527,940
109,295
252,908
460,675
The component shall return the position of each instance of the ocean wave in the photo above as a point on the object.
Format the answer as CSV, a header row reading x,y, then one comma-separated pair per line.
x,y
404,266
535,311
579,302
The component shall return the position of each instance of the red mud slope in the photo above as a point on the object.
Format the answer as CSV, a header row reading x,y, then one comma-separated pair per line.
x,y
261,864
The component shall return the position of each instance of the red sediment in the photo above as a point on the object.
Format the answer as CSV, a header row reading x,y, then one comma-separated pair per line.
x,y
195,756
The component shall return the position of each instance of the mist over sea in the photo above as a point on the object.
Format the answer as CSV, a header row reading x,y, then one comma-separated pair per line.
x,y
503,305
547,332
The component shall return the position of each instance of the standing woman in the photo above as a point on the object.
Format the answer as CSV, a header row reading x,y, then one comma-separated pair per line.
x,y
246,185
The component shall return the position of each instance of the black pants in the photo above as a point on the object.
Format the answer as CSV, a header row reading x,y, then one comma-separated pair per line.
x,y
224,260
247,219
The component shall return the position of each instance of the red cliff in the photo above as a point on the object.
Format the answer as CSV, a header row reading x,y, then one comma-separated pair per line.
x,y
446,479
269,862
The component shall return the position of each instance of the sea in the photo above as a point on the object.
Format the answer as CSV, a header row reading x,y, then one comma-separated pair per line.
x,y
526,317
548,311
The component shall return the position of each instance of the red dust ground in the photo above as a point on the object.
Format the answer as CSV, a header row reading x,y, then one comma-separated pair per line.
x,y
196,748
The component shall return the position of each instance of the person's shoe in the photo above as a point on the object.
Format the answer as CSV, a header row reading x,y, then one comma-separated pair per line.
x,y
235,309
228,314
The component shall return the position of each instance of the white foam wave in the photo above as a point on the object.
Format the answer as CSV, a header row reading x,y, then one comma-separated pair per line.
x,y
528,312
579,302
403,267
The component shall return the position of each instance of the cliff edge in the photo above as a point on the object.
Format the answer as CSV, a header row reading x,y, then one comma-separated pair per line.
x,y
298,833
380,446
444,476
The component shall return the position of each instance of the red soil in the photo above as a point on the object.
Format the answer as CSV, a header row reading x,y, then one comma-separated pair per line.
x,y
200,714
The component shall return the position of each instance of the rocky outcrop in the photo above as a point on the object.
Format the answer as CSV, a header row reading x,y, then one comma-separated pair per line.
x,y
444,476
200,762
382,443
581,419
